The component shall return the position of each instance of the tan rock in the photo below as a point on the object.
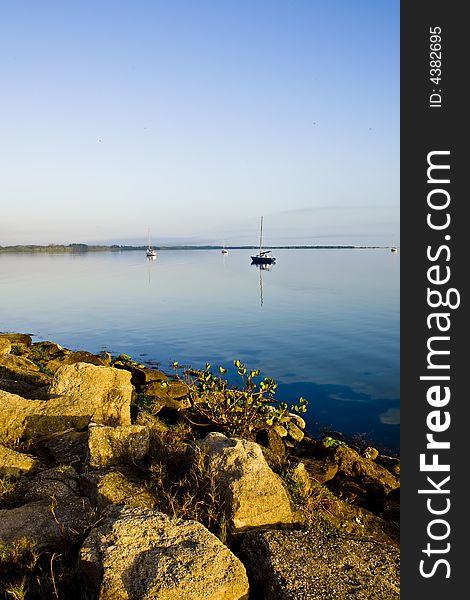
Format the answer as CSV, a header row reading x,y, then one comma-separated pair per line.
x,y
141,375
294,432
21,418
104,487
321,470
19,339
80,393
5,346
301,477
20,368
71,358
297,420
106,390
13,464
370,453
109,446
366,471
254,496
140,553
172,394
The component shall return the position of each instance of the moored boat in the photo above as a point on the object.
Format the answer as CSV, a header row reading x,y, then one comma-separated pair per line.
x,y
264,256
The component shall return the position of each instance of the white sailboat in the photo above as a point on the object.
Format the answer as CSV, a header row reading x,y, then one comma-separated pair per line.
x,y
151,252
224,249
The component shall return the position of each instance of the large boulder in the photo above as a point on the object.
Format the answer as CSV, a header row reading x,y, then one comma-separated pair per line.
x,y
79,393
140,553
108,446
13,464
104,487
310,565
105,390
21,418
253,495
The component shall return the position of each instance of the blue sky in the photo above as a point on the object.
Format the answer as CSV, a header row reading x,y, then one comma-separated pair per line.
x,y
195,118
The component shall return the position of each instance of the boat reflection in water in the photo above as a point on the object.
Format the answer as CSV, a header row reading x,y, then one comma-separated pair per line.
x,y
262,267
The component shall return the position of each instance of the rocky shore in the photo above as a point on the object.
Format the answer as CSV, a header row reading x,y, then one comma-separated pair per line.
x,y
115,484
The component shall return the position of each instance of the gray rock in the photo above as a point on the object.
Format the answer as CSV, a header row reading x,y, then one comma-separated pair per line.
x,y
53,516
307,565
58,483
253,495
109,446
69,448
139,553
13,464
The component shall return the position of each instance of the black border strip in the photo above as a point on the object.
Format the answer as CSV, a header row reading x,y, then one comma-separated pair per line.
x,y
427,127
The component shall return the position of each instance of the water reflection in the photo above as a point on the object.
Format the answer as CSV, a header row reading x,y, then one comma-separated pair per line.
x,y
150,259
262,267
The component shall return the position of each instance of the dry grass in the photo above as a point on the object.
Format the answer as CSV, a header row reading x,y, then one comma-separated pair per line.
x,y
182,483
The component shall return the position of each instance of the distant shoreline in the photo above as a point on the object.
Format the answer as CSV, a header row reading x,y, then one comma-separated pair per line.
x,y
83,248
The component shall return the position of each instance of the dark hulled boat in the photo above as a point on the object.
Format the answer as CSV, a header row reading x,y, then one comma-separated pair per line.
x,y
264,256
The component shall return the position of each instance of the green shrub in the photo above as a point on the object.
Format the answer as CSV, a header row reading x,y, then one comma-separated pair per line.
x,y
330,442
237,411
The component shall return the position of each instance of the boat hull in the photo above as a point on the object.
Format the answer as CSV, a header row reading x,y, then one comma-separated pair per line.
x,y
262,260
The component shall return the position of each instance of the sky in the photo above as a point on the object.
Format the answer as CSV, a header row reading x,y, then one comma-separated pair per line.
x,y
192,119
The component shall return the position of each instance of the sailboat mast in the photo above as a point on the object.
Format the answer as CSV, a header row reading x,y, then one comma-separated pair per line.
x,y
261,236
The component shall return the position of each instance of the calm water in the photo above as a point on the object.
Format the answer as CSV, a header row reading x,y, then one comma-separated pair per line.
x,y
323,323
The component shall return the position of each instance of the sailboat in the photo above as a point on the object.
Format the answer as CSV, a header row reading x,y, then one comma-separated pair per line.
x,y
151,252
224,249
264,256
393,248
